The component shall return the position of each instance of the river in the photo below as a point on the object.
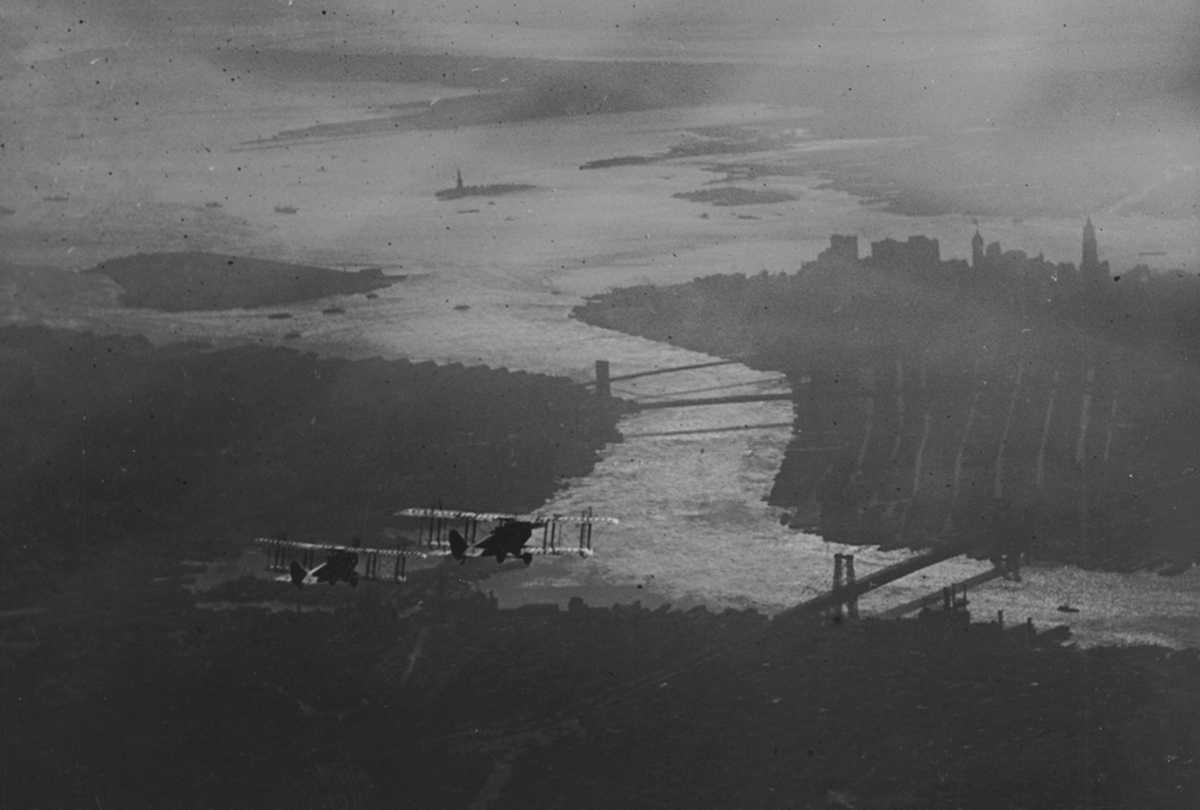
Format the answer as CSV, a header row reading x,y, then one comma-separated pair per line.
x,y
689,487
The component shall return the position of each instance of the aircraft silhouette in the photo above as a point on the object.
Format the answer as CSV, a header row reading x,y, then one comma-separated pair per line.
x,y
509,538
341,564
506,540
510,535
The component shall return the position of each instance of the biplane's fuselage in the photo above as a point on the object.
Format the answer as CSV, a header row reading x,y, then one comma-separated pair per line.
x,y
506,540
341,565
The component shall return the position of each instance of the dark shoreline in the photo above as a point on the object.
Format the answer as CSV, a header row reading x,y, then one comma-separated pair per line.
x,y
109,437
402,686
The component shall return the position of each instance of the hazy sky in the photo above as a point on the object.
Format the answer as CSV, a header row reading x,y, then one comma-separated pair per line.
x,y
1030,58
1078,94
1146,48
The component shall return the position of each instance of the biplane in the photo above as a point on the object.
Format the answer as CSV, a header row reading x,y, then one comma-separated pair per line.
x,y
438,535
340,563
510,535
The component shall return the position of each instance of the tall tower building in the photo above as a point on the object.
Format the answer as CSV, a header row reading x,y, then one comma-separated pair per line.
x,y
976,250
1092,272
1091,257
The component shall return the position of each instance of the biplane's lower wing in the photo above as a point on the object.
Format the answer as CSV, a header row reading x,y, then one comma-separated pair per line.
x,y
374,561
458,514
411,553
382,552
537,551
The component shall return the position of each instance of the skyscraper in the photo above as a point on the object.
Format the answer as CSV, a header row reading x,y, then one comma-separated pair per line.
x,y
1093,273
1091,257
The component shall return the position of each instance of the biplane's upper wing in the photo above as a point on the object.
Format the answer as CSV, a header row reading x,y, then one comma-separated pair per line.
x,y
455,514
460,514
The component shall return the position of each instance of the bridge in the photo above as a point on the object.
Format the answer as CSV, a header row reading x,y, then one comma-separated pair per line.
x,y
846,591
846,587
604,380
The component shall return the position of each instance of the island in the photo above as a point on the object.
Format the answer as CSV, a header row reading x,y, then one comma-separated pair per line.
x,y
180,282
494,190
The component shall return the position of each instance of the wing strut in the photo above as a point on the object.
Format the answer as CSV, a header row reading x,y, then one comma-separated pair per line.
x,y
585,532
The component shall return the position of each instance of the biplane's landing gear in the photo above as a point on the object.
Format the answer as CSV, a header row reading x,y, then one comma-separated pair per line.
x,y
527,557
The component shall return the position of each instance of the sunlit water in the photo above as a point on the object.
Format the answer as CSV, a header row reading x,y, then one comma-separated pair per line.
x,y
689,492
695,528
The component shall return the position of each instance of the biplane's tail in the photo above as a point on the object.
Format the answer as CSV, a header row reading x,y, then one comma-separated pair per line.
x,y
298,574
458,545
